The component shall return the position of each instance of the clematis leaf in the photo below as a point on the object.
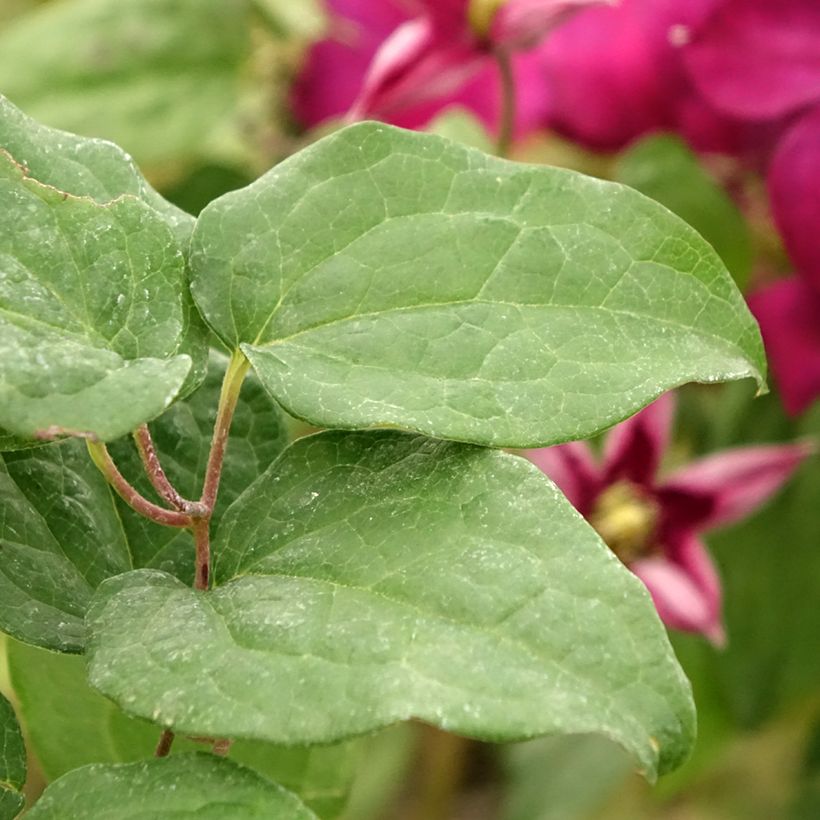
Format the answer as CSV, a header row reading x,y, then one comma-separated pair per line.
x,y
157,76
101,171
195,786
62,532
373,577
70,725
12,763
384,277
665,169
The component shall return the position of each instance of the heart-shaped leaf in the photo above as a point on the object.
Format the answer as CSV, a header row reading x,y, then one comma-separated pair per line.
x,y
12,763
384,277
368,578
62,533
196,786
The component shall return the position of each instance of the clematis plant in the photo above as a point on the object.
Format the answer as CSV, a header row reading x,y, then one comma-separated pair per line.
x,y
424,306
652,523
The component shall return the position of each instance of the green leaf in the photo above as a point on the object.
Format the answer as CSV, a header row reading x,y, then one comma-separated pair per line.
x,y
183,440
156,76
12,763
79,165
70,725
461,125
92,311
665,169
385,277
62,533
199,786
373,577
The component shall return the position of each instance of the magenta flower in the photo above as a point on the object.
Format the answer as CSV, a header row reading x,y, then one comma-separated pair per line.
x,y
653,525
404,67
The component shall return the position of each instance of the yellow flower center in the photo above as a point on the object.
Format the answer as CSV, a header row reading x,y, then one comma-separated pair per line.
x,y
626,518
481,13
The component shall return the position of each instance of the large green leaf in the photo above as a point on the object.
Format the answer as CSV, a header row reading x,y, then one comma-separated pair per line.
x,y
156,76
372,577
385,277
92,311
12,763
61,533
198,786
70,725
665,169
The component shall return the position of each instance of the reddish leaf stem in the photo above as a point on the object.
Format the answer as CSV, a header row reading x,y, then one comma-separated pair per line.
x,y
153,468
506,125
102,458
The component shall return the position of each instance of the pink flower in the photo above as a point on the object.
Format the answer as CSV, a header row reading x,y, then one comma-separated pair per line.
x,y
653,525
789,315
404,67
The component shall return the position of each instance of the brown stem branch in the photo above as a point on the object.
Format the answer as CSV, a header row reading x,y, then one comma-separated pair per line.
x,y
202,541
153,469
102,458
166,740
506,125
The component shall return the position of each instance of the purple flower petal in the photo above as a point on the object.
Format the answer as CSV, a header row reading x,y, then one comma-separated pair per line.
x,y
794,187
758,59
736,482
573,469
633,449
615,73
789,316
686,595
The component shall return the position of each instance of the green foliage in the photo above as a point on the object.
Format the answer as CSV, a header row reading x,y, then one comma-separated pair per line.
x,y
156,76
198,786
358,579
70,725
664,168
483,300
12,763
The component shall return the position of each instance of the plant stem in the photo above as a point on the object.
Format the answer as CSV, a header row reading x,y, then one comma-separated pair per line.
x,y
506,124
102,458
166,740
153,468
231,385
202,541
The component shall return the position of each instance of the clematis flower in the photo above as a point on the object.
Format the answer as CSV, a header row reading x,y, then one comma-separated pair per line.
x,y
653,524
407,66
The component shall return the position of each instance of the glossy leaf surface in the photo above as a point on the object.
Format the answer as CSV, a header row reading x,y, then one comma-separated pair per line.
x,y
374,577
198,786
384,277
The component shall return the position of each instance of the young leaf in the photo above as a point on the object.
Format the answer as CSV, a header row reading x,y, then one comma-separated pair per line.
x,y
384,277
158,77
70,725
12,763
62,532
197,786
92,314
368,578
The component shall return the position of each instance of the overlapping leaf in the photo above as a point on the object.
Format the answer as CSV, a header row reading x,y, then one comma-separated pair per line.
x,y
12,763
62,533
198,786
383,277
70,725
373,577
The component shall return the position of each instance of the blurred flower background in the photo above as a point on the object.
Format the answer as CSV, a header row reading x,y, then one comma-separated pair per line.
x,y
711,107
